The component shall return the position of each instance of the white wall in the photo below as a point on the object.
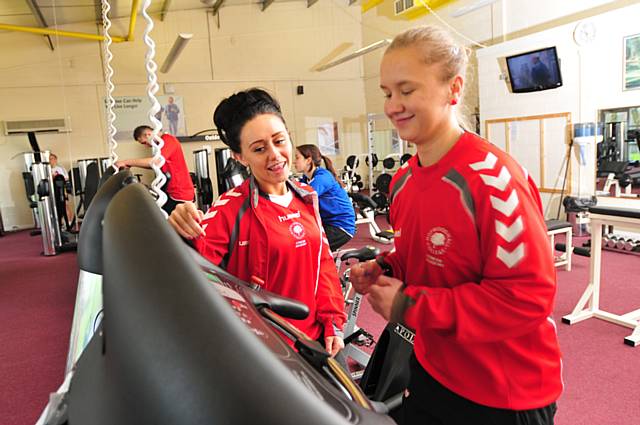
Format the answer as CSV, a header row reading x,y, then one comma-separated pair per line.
x,y
275,49
592,80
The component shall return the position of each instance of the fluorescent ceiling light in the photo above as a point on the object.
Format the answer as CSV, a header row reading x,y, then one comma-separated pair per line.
x,y
175,51
357,53
470,8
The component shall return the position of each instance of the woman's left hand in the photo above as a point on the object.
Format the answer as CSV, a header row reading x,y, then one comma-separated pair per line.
x,y
381,295
333,344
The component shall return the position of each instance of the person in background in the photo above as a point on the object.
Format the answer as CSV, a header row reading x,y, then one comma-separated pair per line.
x,y
57,170
268,230
336,209
540,74
179,187
472,271
172,111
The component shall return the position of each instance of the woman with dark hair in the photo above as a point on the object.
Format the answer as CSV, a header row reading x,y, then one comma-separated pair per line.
x,y
268,230
336,209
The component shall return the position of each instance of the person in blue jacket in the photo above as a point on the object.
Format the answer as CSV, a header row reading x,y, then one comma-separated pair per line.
x,y
336,209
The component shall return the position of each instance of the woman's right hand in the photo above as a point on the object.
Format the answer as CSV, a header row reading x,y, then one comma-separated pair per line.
x,y
185,219
363,275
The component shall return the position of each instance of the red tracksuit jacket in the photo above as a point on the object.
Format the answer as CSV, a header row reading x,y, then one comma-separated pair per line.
x,y
472,249
180,186
257,241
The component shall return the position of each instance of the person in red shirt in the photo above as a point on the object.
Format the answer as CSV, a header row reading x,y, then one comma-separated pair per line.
x,y
472,270
268,230
179,187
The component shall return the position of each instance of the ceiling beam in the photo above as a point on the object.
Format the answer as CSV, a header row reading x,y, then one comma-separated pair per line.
x,y
265,4
37,13
165,9
98,11
72,34
311,3
216,6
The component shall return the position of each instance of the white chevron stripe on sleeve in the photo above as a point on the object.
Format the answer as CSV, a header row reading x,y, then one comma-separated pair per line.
x,y
204,227
488,163
526,173
509,233
505,207
553,323
499,182
233,193
220,202
512,258
209,214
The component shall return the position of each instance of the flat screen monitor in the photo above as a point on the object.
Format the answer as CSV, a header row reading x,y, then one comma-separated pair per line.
x,y
534,71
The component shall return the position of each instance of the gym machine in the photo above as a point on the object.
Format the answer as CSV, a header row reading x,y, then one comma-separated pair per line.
x,y
87,184
47,214
365,208
149,271
29,158
88,306
231,173
382,181
386,371
204,190
50,201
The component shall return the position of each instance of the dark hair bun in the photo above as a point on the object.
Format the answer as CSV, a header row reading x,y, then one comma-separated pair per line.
x,y
234,112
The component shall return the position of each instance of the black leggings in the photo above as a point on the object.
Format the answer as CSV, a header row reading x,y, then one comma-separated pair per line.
x,y
336,236
430,403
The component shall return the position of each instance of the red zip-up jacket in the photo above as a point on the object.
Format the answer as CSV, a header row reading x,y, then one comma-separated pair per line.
x,y
471,247
281,248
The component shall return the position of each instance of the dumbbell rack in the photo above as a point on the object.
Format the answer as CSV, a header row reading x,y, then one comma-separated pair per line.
x,y
606,245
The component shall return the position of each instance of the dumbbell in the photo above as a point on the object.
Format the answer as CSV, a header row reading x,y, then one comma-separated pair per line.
x,y
620,243
609,240
585,252
630,244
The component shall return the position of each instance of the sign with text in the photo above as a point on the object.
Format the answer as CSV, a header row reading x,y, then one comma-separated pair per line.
x,y
132,111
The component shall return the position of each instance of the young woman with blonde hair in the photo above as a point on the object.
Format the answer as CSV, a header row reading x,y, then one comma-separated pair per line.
x,y
472,271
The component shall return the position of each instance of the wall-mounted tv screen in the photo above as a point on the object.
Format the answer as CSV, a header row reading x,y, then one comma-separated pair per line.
x,y
534,71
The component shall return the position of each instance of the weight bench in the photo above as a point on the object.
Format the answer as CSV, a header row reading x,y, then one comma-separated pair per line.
x,y
555,227
589,304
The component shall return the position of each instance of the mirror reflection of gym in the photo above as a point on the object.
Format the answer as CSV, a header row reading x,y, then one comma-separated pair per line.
x,y
618,153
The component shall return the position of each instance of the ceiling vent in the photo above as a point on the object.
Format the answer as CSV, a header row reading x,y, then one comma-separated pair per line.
x,y
55,125
400,6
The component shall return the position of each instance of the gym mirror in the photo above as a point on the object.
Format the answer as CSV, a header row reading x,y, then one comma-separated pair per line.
x,y
618,154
